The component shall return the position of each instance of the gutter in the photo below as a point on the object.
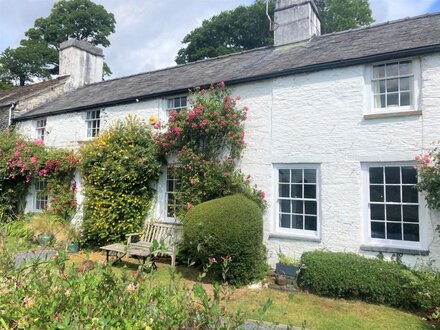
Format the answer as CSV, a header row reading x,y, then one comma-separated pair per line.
x,y
304,69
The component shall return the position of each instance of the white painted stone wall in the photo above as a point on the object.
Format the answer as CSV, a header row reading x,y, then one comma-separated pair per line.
x,y
313,118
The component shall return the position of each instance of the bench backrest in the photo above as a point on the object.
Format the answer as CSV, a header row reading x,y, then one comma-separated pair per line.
x,y
169,233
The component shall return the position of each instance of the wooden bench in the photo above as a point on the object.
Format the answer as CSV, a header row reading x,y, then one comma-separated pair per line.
x,y
139,244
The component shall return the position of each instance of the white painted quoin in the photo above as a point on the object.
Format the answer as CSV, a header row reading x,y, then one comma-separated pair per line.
x,y
328,125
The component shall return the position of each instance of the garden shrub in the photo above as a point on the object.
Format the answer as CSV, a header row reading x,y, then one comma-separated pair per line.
x,y
118,169
228,228
54,295
206,142
347,275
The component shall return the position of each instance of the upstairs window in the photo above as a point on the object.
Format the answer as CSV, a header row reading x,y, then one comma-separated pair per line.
x,y
176,104
393,85
40,129
93,121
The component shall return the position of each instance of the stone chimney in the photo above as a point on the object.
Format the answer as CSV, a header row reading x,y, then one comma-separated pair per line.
x,y
82,61
295,20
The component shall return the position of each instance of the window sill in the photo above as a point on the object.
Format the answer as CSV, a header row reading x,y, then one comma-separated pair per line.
x,y
294,237
393,114
388,249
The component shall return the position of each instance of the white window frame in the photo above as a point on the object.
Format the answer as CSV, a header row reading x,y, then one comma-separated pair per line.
x,y
40,128
415,104
40,199
90,119
166,216
366,228
169,109
297,233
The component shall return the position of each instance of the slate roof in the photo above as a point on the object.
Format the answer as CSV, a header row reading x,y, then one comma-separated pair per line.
x,y
407,37
15,94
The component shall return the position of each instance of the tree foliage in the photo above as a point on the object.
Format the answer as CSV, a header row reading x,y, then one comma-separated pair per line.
x,y
37,56
247,27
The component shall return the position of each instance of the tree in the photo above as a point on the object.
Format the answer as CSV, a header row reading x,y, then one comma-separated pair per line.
x,y
247,27
37,55
340,15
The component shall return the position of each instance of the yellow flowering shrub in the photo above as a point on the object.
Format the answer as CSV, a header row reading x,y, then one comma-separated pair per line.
x,y
118,168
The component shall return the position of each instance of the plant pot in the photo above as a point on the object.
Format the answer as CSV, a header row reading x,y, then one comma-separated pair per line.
x,y
287,270
45,239
73,247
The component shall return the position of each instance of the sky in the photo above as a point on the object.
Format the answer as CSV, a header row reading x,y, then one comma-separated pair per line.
x,y
149,32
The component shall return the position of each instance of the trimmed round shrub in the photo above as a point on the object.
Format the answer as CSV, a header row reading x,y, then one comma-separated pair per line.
x,y
227,227
348,275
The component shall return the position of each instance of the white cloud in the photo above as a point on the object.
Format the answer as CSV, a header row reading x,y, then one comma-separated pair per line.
x,y
387,10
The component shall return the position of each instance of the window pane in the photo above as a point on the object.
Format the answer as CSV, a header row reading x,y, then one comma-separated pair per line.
x,y
376,193
379,101
394,231
183,102
309,176
285,206
296,191
297,207
392,85
379,71
410,194
284,190
411,213
284,176
379,86
393,194
405,68
377,211
392,99
297,221
393,212
377,229
405,84
409,175
376,174
411,232
310,207
285,221
392,70
405,99
296,176
309,191
392,175
311,223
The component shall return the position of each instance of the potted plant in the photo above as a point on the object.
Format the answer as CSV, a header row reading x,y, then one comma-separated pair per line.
x,y
43,226
287,266
73,240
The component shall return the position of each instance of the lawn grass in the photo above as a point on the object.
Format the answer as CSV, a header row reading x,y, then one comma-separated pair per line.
x,y
14,245
289,308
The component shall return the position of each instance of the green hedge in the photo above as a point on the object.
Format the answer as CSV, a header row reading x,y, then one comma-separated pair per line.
x,y
347,275
232,227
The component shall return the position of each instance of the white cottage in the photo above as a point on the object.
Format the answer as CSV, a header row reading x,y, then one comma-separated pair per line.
x,y
334,125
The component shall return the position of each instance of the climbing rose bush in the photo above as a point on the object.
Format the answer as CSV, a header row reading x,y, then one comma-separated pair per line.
x,y
428,168
118,168
23,162
206,142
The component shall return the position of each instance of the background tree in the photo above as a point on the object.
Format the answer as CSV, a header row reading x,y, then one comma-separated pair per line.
x,y
247,27
37,55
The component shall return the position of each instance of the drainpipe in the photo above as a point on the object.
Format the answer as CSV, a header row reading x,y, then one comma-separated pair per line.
x,y
10,114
